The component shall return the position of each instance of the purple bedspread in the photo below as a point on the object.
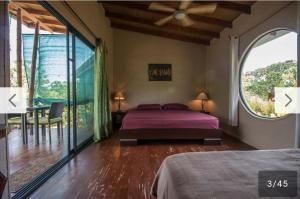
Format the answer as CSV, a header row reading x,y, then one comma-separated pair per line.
x,y
157,119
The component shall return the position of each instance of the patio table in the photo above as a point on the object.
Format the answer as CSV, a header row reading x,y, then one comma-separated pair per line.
x,y
35,110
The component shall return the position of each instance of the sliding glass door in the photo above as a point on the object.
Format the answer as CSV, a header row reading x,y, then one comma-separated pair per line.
x,y
84,91
63,73
81,67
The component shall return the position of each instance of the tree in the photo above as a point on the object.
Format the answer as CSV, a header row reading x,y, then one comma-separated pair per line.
x,y
58,90
262,81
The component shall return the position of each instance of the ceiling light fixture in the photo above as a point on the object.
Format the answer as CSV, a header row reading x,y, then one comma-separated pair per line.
x,y
179,15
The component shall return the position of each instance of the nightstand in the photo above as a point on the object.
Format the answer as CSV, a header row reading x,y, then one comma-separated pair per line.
x,y
117,117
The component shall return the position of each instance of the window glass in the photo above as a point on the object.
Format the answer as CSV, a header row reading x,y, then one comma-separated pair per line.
x,y
84,90
270,62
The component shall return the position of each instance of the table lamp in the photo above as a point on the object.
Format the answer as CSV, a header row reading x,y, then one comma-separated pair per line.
x,y
119,96
203,97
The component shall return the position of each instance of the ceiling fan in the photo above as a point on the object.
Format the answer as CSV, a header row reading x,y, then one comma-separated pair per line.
x,y
181,14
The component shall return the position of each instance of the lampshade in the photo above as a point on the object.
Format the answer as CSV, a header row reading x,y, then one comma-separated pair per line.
x,y
119,96
202,96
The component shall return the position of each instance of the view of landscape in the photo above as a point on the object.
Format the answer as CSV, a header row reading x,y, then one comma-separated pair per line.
x,y
263,71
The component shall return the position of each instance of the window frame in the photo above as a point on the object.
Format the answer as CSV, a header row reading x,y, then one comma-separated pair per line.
x,y
241,64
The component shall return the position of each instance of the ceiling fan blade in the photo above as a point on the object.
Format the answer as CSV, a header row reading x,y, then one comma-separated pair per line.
x,y
204,9
164,20
161,7
185,4
186,21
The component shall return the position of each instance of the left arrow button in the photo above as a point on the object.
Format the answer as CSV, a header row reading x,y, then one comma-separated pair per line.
x,y
13,100
10,100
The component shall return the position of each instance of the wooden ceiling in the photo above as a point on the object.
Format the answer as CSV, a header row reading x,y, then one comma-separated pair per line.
x,y
33,11
135,16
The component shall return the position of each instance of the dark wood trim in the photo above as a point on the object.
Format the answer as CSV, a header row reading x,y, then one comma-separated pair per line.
x,y
158,33
4,75
170,27
132,135
4,45
3,180
2,133
144,8
246,9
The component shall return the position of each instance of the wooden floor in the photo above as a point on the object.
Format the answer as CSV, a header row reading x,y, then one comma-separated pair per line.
x,y
31,160
104,170
28,161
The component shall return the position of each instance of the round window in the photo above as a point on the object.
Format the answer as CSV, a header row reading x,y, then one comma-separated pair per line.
x,y
270,62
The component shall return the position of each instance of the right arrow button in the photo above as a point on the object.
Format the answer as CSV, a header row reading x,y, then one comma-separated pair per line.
x,y
290,100
287,100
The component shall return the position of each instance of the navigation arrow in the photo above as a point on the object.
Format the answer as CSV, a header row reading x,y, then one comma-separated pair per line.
x,y
290,100
10,100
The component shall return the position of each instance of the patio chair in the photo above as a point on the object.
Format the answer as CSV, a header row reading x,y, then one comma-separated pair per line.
x,y
54,117
13,119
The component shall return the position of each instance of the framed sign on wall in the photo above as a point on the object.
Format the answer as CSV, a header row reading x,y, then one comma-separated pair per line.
x,y
160,72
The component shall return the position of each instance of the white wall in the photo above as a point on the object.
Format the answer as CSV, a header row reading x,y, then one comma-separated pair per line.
x,y
262,134
134,51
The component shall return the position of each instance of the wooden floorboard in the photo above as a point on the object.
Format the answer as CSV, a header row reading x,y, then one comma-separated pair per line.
x,y
31,160
28,161
106,170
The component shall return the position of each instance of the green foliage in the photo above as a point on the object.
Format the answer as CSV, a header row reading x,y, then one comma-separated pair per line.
x,y
58,90
259,83
266,108
13,77
264,80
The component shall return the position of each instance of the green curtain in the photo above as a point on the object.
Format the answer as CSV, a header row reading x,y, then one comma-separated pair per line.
x,y
102,114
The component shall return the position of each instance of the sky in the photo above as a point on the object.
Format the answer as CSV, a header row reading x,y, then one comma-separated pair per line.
x,y
13,38
278,50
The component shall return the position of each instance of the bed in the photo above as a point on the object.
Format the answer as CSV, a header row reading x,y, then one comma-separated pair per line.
x,y
169,124
225,175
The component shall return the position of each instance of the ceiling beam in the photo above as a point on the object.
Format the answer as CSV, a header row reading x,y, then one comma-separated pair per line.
x,y
39,12
171,27
144,8
29,2
30,24
61,30
52,22
246,9
30,16
144,30
55,28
